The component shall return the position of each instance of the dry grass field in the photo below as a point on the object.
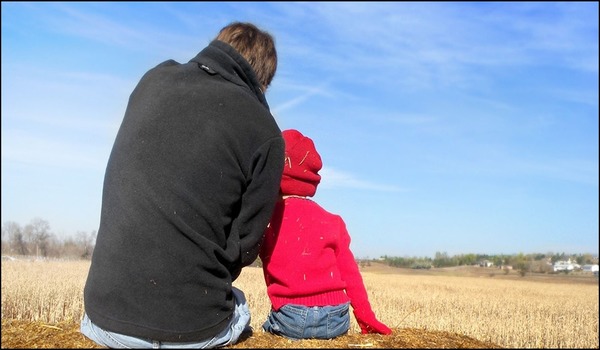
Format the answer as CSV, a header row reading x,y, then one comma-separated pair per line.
x,y
453,308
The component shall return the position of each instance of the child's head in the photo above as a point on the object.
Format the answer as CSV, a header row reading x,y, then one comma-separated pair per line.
x,y
302,165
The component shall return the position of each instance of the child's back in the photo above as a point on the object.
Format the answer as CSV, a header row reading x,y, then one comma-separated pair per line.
x,y
309,269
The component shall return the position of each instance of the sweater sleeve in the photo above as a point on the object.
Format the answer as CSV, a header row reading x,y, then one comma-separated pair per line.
x,y
355,288
259,200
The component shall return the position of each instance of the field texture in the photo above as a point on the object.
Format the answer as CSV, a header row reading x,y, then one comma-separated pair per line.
x,y
42,305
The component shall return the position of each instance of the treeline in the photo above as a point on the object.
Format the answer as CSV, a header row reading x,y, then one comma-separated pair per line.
x,y
536,262
36,239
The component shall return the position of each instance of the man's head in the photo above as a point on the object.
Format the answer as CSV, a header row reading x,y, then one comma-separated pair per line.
x,y
302,165
257,47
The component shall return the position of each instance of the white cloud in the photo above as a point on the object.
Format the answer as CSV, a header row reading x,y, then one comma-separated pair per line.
x,y
333,178
49,151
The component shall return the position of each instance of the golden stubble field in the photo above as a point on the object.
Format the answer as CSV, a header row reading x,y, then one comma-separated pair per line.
x,y
42,304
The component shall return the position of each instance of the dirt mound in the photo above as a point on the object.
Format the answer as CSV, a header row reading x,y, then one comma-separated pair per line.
x,y
39,335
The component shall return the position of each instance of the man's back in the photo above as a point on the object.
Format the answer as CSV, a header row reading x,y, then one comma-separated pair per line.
x,y
188,189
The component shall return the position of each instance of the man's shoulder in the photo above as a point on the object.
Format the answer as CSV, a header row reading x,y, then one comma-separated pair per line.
x,y
168,63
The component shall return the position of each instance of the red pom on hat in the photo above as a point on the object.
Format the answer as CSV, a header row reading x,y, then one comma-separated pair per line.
x,y
302,165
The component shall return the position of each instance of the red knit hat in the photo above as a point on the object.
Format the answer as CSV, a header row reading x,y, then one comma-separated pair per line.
x,y
302,164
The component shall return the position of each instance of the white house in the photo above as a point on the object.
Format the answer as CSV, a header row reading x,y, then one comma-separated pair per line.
x,y
590,268
562,265
486,263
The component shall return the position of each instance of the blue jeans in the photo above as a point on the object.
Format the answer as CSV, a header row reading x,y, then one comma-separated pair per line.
x,y
306,322
240,323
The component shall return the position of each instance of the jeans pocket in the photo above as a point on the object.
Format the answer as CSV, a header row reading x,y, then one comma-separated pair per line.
x,y
288,321
338,320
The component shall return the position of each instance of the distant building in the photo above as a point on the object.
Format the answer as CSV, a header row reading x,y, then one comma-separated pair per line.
x,y
486,263
590,268
563,265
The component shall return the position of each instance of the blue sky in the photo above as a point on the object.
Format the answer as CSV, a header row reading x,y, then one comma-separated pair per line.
x,y
457,127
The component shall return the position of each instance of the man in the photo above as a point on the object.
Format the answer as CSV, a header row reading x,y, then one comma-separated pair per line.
x,y
189,188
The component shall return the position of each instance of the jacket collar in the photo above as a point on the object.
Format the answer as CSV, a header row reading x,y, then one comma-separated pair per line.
x,y
221,58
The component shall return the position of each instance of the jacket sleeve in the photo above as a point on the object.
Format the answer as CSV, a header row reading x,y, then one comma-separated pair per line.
x,y
258,201
355,288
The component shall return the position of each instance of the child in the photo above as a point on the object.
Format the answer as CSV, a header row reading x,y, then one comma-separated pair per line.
x,y
310,272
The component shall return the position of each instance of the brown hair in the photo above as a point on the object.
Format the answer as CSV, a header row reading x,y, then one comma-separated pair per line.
x,y
255,45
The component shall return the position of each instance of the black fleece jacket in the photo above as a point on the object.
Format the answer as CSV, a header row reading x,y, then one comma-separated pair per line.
x,y
189,188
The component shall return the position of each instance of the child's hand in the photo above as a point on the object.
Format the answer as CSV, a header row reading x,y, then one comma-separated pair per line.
x,y
369,324
376,327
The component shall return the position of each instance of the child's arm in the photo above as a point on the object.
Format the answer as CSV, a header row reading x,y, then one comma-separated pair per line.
x,y
355,288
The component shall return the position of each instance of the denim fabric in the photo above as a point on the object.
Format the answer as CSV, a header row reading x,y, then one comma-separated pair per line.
x,y
304,322
240,323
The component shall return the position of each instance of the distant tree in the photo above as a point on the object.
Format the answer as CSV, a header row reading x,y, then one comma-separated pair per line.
x,y
558,257
86,243
69,248
16,242
441,260
39,234
583,259
521,264
5,245
467,259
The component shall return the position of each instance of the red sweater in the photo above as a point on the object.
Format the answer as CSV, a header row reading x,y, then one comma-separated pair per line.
x,y
307,259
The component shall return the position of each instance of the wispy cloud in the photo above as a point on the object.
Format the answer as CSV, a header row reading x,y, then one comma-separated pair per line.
x,y
493,162
333,178
69,103
47,151
102,25
306,92
437,44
